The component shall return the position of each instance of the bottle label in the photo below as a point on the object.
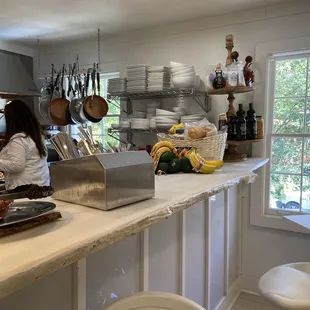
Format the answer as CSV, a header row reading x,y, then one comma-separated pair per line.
x,y
243,129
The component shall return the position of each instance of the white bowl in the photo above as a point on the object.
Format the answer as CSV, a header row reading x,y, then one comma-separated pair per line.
x,y
183,82
160,111
183,70
115,126
179,110
174,65
125,125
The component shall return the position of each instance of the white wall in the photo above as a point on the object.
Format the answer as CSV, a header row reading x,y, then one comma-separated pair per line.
x,y
201,43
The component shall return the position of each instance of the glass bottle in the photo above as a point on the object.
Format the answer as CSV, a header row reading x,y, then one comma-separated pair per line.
x,y
219,80
251,123
241,124
222,120
260,127
232,126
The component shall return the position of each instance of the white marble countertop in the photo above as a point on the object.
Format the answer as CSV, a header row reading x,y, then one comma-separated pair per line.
x,y
28,256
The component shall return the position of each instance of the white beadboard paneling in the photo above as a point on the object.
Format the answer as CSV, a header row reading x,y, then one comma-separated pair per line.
x,y
217,261
50,293
195,268
164,255
114,270
234,234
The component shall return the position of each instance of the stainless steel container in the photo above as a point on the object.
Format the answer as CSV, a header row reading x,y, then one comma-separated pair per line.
x,y
104,181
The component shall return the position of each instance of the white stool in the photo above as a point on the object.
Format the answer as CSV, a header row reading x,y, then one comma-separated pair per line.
x,y
153,301
288,286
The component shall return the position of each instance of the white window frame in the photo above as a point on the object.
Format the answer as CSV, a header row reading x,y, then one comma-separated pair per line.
x,y
258,199
272,75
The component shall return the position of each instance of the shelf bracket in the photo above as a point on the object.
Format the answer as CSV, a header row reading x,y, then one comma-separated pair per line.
x,y
204,105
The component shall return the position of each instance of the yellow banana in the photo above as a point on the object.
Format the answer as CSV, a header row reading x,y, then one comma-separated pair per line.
x,y
158,154
217,163
160,144
199,164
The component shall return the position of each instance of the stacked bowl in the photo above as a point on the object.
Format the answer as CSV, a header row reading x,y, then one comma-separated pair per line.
x,y
166,119
140,123
183,76
192,118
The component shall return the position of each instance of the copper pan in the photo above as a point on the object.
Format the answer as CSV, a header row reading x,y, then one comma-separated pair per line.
x,y
58,107
94,105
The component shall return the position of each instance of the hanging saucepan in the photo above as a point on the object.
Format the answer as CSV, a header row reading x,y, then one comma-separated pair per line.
x,y
76,105
95,105
70,118
44,100
87,115
59,106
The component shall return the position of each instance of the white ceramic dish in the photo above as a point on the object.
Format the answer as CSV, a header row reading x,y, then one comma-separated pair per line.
x,y
183,82
174,64
183,70
166,112
115,126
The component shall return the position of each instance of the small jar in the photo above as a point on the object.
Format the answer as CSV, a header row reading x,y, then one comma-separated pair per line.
x,y
260,127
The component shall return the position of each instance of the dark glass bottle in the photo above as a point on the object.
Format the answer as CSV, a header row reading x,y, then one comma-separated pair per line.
x,y
219,80
241,124
251,123
232,126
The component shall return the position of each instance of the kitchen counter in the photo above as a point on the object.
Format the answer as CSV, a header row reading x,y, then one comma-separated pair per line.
x,y
29,256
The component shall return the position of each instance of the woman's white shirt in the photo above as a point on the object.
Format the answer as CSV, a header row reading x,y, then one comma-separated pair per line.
x,y
21,163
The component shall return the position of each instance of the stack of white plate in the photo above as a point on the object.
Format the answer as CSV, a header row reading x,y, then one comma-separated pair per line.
x,y
153,123
137,114
183,76
124,123
137,78
115,126
117,85
165,119
158,78
140,123
180,111
192,118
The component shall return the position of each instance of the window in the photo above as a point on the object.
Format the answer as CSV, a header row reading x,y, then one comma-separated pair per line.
x,y
288,140
100,130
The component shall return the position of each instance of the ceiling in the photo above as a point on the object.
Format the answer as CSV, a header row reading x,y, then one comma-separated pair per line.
x,y
57,20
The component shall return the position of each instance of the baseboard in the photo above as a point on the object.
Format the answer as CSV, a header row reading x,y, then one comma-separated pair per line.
x,y
249,284
245,284
228,301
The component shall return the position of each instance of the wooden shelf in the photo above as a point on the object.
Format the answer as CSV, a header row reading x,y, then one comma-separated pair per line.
x,y
235,142
230,90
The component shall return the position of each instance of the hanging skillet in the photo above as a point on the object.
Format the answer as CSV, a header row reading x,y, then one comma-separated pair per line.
x,y
59,106
94,105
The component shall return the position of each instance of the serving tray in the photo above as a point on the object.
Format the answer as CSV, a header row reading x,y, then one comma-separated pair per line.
x,y
23,211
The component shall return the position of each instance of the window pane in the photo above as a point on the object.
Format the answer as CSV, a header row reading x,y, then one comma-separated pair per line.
x,y
285,192
288,116
307,129
291,78
97,128
306,194
113,109
306,157
286,155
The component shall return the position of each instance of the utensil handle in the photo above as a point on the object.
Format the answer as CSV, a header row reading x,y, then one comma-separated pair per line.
x,y
98,79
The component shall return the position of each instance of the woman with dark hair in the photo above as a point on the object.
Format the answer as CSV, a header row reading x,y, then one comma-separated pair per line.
x,y
23,155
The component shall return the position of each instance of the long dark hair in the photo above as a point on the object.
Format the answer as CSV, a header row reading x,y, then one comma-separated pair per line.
x,y
20,119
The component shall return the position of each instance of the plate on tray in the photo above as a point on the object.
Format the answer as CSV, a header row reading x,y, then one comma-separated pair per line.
x,y
24,211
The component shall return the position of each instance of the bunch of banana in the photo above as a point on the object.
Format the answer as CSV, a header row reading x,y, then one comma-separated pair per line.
x,y
174,128
200,165
161,144
158,154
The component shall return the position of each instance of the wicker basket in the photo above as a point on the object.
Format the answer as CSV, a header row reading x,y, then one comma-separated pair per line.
x,y
210,148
